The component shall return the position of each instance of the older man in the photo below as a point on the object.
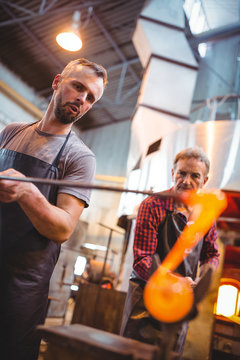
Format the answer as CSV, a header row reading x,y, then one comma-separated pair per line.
x,y
37,219
158,225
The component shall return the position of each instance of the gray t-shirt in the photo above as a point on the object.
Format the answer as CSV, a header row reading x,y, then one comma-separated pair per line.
x,y
77,162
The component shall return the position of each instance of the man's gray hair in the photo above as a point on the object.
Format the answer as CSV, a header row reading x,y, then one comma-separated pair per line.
x,y
193,152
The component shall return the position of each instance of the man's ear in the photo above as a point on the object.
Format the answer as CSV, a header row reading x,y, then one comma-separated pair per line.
x,y
56,81
205,180
172,174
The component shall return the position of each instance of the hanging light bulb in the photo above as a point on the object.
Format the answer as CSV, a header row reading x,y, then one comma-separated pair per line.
x,y
70,40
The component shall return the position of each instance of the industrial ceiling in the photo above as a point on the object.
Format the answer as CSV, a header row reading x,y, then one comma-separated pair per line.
x,y
28,47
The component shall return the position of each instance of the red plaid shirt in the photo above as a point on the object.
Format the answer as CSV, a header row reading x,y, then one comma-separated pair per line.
x,y
151,213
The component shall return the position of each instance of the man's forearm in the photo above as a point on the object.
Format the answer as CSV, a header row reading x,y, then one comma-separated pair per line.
x,y
54,222
142,267
50,221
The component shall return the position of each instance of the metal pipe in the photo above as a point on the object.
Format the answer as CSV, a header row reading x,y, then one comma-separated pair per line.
x,y
217,34
83,185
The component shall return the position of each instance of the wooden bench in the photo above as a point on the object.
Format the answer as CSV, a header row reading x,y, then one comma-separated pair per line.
x,y
86,343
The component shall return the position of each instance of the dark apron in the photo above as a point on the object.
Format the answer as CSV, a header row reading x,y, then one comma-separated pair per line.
x,y
168,233
137,323
27,261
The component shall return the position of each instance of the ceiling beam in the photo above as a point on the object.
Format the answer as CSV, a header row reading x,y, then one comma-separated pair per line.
x,y
33,15
114,45
17,7
50,5
130,92
41,9
58,63
121,82
128,62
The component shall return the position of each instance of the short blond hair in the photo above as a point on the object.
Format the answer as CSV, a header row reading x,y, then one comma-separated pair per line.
x,y
100,71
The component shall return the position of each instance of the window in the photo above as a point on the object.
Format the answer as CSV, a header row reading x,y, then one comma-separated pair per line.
x,y
195,15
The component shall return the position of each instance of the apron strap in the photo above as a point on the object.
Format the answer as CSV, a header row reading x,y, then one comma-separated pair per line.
x,y
57,159
168,233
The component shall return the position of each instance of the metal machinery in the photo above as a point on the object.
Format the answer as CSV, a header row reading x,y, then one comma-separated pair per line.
x,y
225,344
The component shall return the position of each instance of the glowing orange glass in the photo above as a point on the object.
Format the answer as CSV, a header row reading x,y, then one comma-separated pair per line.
x,y
167,295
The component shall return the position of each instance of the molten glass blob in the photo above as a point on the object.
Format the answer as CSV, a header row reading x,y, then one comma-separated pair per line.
x,y
167,296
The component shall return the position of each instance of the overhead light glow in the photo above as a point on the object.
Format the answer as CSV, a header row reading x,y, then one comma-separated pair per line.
x,y
74,287
94,246
196,16
80,265
69,41
202,48
226,301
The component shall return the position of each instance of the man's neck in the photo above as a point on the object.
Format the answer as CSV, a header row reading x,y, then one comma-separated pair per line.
x,y
53,127
183,209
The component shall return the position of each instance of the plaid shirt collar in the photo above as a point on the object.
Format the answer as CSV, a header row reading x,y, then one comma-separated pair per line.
x,y
170,202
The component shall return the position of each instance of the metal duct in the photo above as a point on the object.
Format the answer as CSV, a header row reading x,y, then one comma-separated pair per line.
x,y
221,142
170,73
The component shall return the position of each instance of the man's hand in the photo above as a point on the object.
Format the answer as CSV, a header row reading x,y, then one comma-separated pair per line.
x,y
54,222
11,191
190,280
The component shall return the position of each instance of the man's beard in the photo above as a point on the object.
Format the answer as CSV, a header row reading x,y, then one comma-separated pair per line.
x,y
63,115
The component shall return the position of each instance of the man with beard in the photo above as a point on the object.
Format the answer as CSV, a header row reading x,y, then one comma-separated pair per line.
x,y
36,219
158,225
